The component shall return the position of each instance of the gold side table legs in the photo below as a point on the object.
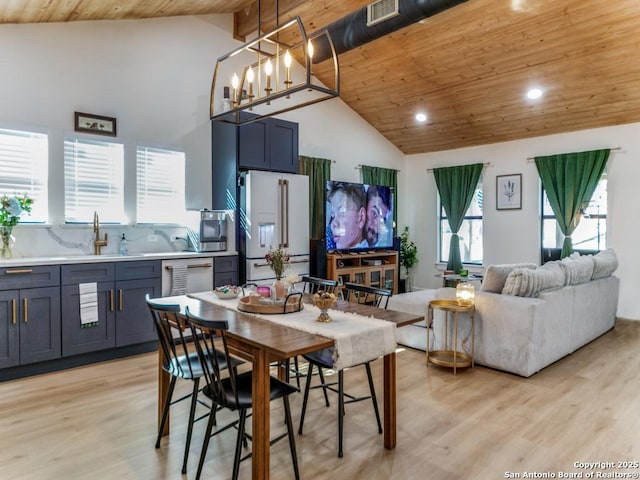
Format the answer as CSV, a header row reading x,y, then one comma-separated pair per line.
x,y
450,356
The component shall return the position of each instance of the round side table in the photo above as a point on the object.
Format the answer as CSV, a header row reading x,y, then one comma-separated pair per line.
x,y
450,356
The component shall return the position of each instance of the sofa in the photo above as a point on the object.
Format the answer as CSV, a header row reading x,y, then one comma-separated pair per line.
x,y
527,317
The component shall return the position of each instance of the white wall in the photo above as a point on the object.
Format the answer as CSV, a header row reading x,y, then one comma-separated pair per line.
x,y
514,235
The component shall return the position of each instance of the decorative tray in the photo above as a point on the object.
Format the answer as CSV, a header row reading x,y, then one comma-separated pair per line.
x,y
255,304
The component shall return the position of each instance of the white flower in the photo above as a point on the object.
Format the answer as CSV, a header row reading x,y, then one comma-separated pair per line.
x,y
291,279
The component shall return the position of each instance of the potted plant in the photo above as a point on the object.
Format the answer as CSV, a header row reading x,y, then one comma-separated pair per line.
x,y
408,255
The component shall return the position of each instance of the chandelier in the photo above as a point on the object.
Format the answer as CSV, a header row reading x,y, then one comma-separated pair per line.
x,y
273,74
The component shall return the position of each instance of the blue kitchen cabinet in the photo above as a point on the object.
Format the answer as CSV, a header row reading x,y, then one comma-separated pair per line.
x,y
29,315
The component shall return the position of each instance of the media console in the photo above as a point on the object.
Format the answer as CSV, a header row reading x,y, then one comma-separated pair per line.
x,y
376,269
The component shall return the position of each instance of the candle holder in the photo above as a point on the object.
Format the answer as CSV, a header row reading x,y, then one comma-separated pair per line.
x,y
465,294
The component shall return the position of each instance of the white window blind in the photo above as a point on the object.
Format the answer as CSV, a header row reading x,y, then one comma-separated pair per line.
x,y
160,186
24,168
93,181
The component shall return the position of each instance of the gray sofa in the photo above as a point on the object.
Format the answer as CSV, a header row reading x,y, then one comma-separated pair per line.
x,y
523,334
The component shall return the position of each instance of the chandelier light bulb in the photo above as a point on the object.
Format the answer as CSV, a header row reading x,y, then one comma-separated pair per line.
x,y
287,64
250,82
310,49
235,82
268,69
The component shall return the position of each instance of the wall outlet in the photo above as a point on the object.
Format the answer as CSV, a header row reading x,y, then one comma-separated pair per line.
x,y
152,238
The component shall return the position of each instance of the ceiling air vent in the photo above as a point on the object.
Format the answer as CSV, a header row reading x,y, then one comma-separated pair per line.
x,y
380,11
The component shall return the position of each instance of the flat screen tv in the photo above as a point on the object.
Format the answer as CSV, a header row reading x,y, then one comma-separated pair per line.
x,y
358,217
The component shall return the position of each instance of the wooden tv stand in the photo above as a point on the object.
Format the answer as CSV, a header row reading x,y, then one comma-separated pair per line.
x,y
376,269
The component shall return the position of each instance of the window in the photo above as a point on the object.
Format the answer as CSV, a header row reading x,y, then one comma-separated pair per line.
x,y
93,181
470,232
24,168
161,190
590,235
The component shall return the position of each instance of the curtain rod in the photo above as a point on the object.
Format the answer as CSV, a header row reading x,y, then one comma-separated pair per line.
x,y
359,167
531,159
488,164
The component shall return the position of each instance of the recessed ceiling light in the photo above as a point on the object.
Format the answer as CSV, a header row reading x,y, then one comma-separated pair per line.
x,y
421,117
534,93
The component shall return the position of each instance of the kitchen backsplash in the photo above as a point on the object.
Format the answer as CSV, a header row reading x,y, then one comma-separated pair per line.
x,y
69,240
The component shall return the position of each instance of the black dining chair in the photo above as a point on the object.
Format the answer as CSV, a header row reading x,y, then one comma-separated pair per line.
x,y
181,361
235,390
310,285
356,293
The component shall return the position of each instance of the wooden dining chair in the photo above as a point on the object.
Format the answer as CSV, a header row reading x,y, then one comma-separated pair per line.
x,y
378,297
180,361
233,391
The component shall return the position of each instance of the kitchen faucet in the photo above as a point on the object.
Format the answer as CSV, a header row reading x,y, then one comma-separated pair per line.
x,y
97,243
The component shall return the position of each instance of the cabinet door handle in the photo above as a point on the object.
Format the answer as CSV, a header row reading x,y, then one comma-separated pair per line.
x,y
22,270
120,305
25,307
13,310
111,300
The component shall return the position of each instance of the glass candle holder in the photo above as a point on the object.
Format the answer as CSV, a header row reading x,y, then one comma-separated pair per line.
x,y
465,294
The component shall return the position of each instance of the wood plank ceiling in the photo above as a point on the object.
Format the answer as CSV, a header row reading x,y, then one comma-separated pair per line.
x,y
468,67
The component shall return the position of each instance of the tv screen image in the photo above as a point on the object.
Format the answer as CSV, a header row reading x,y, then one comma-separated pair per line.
x,y
358,216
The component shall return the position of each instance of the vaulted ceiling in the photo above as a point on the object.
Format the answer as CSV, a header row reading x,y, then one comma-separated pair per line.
x,y
468,67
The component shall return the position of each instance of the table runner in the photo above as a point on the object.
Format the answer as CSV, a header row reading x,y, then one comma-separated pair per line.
x,y
357,338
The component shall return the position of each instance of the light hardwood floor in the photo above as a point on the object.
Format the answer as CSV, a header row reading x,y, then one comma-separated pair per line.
x,y
99,422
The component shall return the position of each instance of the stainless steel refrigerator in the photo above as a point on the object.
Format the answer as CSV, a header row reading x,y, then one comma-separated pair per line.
x,y
274,212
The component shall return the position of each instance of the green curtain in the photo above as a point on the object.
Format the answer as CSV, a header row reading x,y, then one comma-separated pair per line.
x,y
386,177
456,186
569,179
319,171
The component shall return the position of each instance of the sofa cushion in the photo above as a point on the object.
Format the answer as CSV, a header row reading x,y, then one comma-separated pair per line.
x,y
525,282
496,275
605,263
577,268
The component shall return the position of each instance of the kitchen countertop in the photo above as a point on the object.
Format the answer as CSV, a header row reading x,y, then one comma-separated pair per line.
x,y
71,259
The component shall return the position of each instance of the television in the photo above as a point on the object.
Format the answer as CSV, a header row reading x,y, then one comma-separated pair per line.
x,y
358,217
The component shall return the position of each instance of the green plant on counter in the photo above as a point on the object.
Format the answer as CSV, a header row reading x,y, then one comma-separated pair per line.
x,y
408,252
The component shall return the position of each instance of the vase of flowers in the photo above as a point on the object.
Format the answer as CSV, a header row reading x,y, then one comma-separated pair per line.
x,y
11,207
278,259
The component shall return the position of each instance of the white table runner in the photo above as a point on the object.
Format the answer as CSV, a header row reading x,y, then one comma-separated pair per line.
x,y
357,338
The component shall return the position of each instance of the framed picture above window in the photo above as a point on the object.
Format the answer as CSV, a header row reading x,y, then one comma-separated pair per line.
x,y
90,123
509,192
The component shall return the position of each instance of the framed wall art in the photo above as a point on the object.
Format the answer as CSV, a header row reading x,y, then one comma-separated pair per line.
x,y
509,192
90,123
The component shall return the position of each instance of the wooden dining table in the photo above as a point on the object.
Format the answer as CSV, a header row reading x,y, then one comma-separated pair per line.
x,y
262,342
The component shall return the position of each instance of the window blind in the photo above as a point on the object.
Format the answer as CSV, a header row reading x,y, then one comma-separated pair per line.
x,y
93,181
24,168
160,185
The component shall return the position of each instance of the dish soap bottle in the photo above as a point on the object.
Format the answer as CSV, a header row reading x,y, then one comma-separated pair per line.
x,y
124,247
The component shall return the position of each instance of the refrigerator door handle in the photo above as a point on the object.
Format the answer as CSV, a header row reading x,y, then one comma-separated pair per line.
x,y
264,264
284,212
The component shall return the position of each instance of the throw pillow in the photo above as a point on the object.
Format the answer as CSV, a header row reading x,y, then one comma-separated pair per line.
x,y
524,282
495,276
605,263
577,269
